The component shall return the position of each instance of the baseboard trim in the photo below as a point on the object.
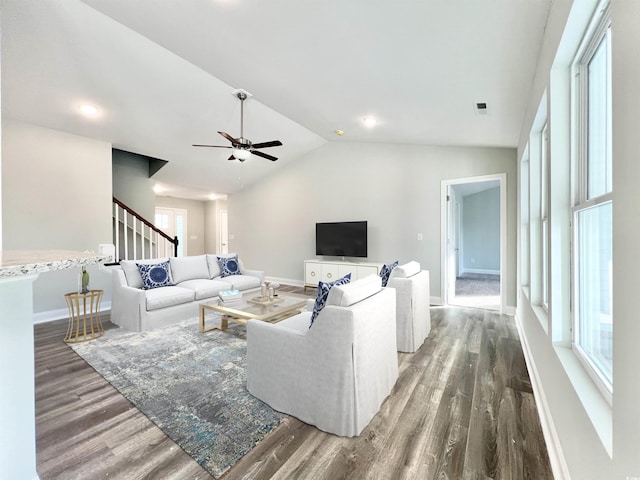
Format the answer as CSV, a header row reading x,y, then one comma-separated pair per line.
x,y
63,313
480,270
554,447
285,281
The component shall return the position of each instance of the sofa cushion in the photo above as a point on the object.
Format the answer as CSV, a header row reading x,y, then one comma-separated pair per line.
x,y
323,293
168,296
240,282
385,271
353,292
407,270
204,288
155,275
132,272
188,268
228,266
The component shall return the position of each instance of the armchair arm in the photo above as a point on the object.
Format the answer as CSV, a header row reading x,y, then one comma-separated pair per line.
x,y
412,310
126,302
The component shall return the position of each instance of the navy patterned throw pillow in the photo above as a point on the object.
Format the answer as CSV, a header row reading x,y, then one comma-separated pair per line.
x,y
323,293
228,266
155,275
385,272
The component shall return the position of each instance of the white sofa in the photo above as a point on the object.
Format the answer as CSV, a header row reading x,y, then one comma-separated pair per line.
x,y
336,374
413,316
196,278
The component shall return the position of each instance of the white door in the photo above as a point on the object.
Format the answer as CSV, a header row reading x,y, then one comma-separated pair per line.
x,y
223,238
173,222
452,242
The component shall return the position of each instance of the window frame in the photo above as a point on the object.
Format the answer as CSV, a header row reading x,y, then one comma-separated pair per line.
x,y
598,31
544,217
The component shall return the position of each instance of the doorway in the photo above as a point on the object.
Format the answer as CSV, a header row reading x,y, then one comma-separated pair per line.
x,y
173,222
474,241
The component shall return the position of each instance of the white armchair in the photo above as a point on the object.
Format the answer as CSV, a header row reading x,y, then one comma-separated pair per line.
x,y
336,374
412,305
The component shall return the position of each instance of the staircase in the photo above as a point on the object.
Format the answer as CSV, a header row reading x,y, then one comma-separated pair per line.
x,y
137,238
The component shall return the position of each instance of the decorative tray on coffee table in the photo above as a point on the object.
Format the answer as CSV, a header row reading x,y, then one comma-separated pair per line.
x,y
264,300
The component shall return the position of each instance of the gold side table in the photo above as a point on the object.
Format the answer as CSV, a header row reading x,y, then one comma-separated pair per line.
x,y
84,316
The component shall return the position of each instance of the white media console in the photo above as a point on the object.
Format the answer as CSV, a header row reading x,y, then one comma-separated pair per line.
x,y
331,270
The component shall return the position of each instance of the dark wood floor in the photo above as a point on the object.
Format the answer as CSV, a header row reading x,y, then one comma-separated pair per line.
x,y
462,409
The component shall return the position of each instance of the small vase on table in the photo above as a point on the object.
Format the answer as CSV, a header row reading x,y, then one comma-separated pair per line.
x,y
85,281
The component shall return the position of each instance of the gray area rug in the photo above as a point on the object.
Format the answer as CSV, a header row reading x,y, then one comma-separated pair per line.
x,y
192,385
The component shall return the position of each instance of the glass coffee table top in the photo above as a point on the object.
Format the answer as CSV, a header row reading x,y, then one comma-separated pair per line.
x,y
251,305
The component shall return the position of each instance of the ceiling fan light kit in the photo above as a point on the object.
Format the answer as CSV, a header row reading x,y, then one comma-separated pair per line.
x,y
242,148
240,154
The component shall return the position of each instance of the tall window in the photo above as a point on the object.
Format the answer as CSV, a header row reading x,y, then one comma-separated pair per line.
x,y
544,214
593,208
524,218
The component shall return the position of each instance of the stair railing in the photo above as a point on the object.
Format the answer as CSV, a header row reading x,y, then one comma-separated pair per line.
x,y
137,238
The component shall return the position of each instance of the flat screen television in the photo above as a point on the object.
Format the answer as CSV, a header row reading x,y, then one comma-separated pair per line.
x,y
341,239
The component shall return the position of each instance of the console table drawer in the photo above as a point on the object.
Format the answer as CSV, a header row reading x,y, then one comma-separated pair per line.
x,y
330,271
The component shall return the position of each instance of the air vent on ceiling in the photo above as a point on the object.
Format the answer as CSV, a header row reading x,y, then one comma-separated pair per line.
x,y
481,108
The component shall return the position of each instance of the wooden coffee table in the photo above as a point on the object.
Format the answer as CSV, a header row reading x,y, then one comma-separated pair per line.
x,y
251,306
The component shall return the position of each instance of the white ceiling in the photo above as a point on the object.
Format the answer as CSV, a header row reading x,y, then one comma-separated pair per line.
x,y
162,74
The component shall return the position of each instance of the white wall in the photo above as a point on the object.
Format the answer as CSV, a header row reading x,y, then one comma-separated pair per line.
x,y
481,232
626,232
396,188
56,194
597,441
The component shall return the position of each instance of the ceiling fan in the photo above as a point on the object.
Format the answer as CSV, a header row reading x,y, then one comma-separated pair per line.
x,y
242,148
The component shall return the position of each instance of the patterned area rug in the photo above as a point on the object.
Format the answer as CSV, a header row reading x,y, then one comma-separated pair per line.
x,y
192,385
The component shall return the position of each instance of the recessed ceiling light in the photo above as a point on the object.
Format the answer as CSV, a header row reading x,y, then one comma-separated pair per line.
x,y
339,132
158,188
370,121
89,111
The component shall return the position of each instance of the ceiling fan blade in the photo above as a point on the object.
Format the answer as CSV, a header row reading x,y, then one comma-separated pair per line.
x,y
212,146
274,143
264,155
228,137
231,157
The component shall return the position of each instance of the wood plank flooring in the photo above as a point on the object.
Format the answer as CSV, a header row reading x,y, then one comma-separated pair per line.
x,y
462,408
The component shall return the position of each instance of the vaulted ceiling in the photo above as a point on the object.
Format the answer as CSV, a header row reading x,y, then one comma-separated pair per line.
x,y
161,75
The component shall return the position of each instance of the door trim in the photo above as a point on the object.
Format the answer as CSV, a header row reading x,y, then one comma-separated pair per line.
x,y
444,224
223,227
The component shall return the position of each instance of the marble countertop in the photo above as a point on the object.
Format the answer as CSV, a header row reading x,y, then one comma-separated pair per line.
x,y
14,263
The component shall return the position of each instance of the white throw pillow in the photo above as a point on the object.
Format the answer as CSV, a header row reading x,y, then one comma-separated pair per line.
x,y
407,270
